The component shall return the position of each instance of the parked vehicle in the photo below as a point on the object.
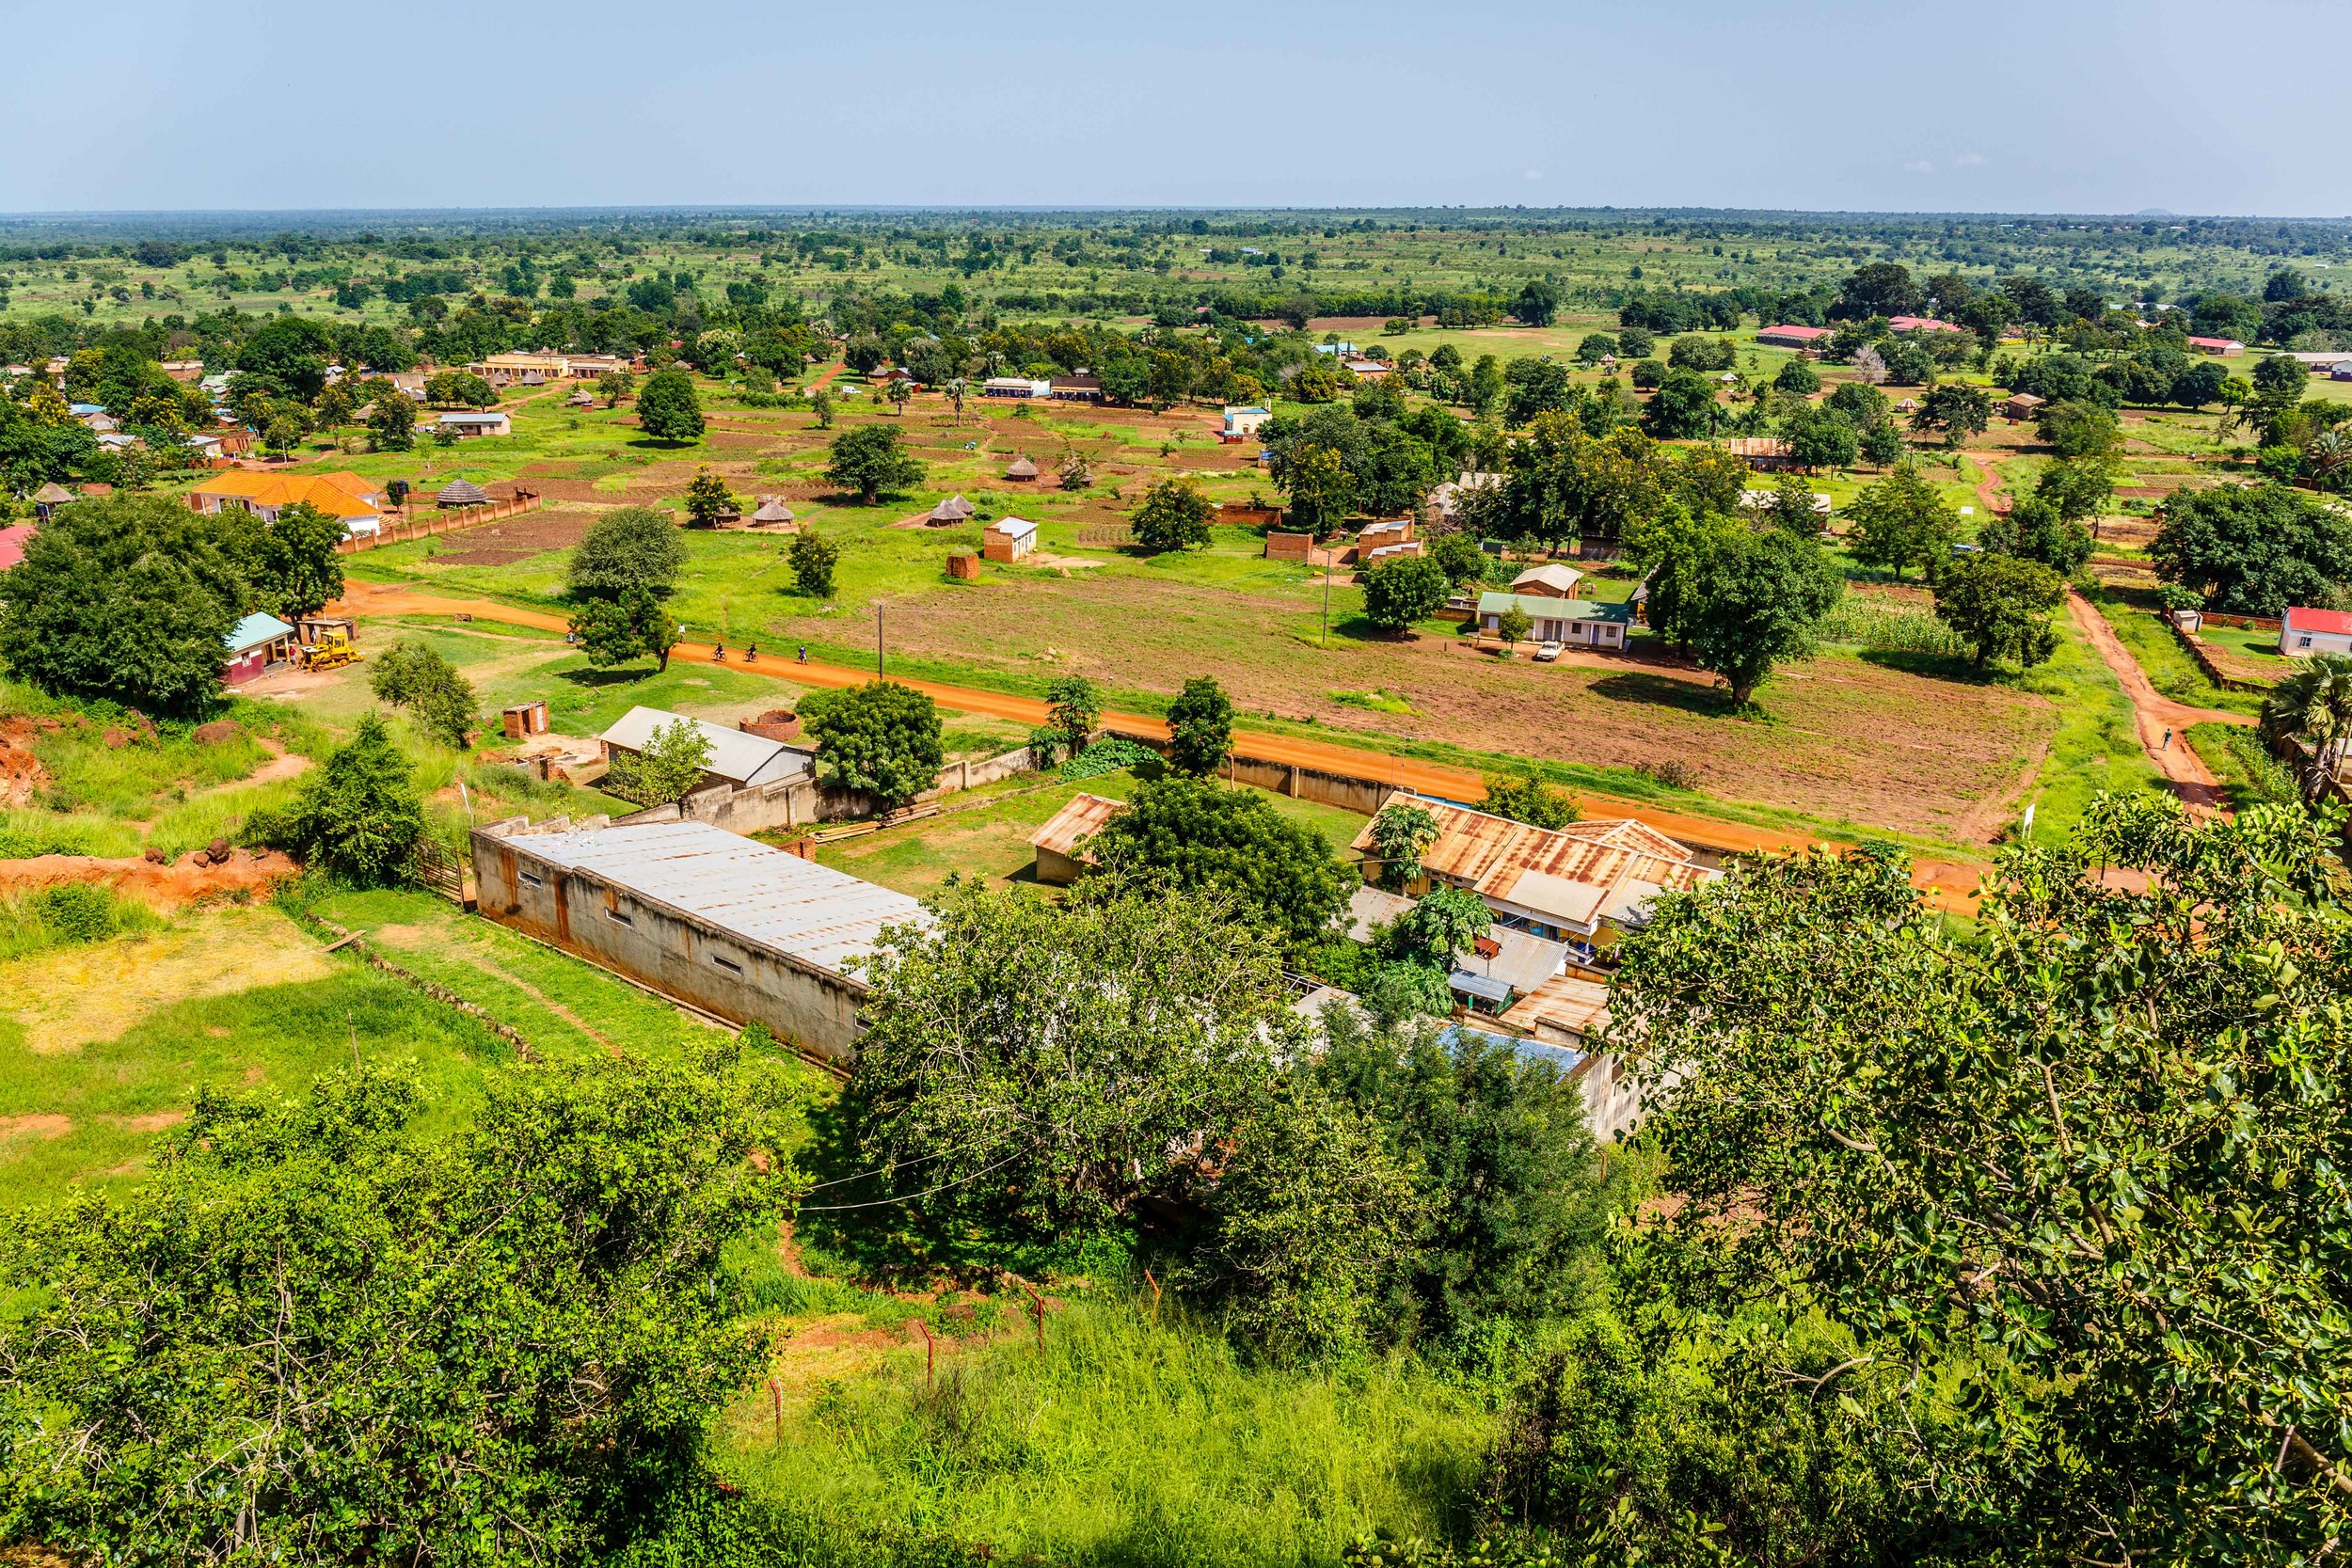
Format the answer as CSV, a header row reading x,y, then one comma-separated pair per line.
x,y
1547,653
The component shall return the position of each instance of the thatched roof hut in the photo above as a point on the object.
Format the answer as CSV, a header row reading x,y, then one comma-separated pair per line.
x,y
772,510
955,509
462,492
1022,469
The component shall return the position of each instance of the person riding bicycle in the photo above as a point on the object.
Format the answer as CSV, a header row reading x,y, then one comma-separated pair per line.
x,y
751,655
718,653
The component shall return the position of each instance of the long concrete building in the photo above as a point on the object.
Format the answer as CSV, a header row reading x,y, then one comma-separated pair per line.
x,y
734,926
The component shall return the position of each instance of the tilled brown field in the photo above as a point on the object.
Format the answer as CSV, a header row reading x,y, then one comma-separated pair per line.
x,y
511,539
1845,738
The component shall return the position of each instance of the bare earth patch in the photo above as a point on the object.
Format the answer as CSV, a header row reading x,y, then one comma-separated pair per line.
x,y
1845,738
68,998
512,539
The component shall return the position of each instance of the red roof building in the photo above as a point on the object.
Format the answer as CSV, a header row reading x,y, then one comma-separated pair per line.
x,y
2305,632
1918,324
2217,345
1792,337
12,542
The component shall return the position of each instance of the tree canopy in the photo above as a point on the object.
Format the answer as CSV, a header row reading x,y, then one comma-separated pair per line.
x,y
1233,845
2253,549
127,598
880,737
1200,726
667,407
629,547
869,460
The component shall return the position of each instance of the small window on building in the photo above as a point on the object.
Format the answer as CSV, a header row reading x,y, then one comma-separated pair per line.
x,y
534,879
727,964
2302,642
618,915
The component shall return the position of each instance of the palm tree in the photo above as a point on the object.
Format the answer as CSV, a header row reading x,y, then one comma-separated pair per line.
x,y
900,394
956,389
2314,704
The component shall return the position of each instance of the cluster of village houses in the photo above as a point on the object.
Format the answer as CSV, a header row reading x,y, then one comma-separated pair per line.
x,y
677,897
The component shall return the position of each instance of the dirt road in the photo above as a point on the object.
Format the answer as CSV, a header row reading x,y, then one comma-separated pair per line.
x,y
1952,883
2162,723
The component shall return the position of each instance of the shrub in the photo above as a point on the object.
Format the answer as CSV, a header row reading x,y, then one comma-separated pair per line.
x,y
1108,755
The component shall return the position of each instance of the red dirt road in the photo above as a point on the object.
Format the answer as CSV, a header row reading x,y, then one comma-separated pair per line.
x,y
2162,723
1953,884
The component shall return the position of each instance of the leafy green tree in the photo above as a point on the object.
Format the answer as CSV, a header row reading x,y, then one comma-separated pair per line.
x,y
616,631
900,393
288,355
612,385
629,547
1861,402
1857,1088
2080,429
1322,491
813,558
1199,727
1820,439
409,674
1512,1203
1075,1102
1399,991
2033,530
358,815
1075,705
1901,522
869,460
129,599
1231,845
668,409
1755,602
1593,347
1400,833
391,420
1443,924
335,1314
292,565
1538,303
458,388
1460,558
2253,549
1513,625
2077,488
1403,590
1173,516
2000,605
1799,379
1957,408
1635,342
1312,1215
672,762
1880,445
1525,798
880,737
1696,352
707,500
1683,407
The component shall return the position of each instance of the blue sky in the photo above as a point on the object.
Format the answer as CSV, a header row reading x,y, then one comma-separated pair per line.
x,y
2063,105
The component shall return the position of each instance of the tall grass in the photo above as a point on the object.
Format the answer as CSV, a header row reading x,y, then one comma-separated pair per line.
x,y
1120,1442
68,915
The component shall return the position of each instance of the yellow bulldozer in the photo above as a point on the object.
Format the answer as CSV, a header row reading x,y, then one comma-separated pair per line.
x,y
332,651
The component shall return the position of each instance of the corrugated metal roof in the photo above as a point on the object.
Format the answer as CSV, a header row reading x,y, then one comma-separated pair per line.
x,y
736,885
742,759
1543,606
1568,1002
1082,817
1571,875
1013,527
254,630
1485,987
1551,575
1369,906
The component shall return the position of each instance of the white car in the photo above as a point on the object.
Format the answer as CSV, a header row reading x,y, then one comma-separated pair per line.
x,y
1548,651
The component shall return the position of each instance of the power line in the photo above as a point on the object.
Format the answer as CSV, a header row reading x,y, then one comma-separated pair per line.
x,y
886,1202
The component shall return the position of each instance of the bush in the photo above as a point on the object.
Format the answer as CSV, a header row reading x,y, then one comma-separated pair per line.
x,y
1673,772
77,912
357,817
1108,755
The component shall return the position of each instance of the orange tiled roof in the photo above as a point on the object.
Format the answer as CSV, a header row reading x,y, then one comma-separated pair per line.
x,y
338,493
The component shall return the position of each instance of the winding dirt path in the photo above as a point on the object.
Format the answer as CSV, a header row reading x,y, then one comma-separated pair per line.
x,y
1952,883
2162,723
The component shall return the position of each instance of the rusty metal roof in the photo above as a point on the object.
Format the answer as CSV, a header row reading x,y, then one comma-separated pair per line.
x,y
1082,818
1565,1003
1578,875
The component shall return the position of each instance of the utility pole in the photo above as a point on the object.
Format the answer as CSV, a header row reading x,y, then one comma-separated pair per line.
x,y
1327,593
